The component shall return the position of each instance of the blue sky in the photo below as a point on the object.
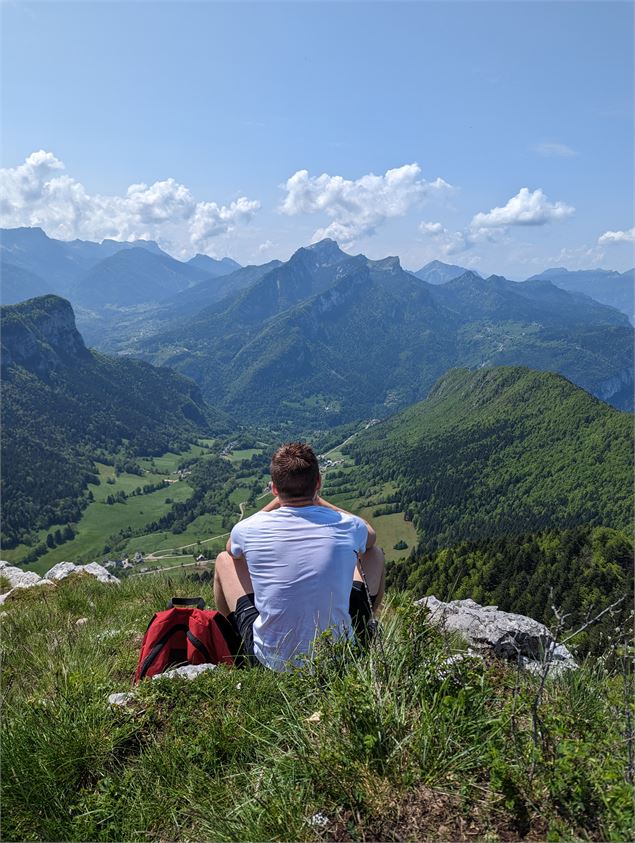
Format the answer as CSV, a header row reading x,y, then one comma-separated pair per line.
x,y
213,111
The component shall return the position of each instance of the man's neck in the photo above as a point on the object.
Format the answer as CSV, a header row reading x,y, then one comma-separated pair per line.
x,y
297,501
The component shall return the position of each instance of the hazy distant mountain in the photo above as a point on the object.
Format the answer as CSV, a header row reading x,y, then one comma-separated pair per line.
x,y
214,289
17,284
327,338
537,300
60,264
437,272
133,276
214,267
31,249
603,285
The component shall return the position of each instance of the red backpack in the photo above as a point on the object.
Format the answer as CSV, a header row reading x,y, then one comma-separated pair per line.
x,y
186,633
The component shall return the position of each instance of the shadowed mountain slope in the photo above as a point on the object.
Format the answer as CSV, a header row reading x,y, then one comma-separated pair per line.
x,y
64,406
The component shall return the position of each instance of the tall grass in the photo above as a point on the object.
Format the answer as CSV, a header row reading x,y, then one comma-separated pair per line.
x,y
390,744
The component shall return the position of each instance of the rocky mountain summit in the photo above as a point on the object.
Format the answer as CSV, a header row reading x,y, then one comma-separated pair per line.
x,y
40,334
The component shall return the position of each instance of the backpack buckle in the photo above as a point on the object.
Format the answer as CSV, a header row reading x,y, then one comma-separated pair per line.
x,y
185,602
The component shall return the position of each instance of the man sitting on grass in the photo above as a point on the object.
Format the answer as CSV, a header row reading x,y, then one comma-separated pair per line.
x,y
291,570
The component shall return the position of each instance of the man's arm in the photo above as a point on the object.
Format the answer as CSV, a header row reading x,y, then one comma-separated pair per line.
x,y
372,535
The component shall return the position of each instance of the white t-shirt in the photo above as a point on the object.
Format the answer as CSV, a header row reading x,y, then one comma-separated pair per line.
x,y
301,561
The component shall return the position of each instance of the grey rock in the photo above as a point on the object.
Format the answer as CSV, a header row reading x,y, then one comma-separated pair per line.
x,y
65,569
556,666
188,671
505,634
122,698
17,576
21,586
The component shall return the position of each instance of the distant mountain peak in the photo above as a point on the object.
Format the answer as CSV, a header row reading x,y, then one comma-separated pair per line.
x,y
326,244
388,264
325,252
214,266
437,272
40,334
33,231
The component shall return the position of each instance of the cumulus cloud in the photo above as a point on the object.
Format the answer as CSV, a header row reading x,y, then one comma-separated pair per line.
x,y
554,150
356,208
610,237
525,208
39,192
449,242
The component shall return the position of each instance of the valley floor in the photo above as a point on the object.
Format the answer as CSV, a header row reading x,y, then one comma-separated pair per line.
x,y
102,522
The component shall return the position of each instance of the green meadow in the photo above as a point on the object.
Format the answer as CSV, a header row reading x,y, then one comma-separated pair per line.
x,y
205,534
100,520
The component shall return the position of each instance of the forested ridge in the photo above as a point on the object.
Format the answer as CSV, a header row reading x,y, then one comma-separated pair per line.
x,y
578,571
65,406
503,450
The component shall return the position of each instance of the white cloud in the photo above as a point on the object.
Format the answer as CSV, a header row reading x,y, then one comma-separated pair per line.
x,y
40,193
449,242
265,247
554,150
432,228
525,208
577,257
357,208
610,237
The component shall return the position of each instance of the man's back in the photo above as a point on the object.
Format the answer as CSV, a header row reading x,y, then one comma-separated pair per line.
x,y
301,560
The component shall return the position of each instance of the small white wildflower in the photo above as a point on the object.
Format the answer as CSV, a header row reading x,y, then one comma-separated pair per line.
x,y
318,820
239,686
315,717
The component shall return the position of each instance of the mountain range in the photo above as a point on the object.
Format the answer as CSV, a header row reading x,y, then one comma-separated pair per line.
x,y
327,338
437,272
603,285
63,406
324,337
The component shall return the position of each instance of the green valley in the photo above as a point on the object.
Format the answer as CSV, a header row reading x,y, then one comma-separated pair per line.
x,y
65,408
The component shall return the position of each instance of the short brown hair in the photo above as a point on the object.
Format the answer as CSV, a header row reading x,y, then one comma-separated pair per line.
x,y
294,470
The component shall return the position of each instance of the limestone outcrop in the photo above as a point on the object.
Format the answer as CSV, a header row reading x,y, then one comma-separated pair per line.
x,y
65,569
19,579
507,635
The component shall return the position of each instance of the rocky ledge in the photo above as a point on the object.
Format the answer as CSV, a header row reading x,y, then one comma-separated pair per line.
x,y
19,579
512,637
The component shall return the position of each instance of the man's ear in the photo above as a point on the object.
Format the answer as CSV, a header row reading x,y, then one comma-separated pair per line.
x,y
319,483
274,490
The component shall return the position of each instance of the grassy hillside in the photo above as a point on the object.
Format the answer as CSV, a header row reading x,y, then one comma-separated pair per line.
x,y
395,745
499,451
65,407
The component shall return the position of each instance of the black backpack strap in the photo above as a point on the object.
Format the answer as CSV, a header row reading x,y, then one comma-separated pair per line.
x,y
183,602
232,638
